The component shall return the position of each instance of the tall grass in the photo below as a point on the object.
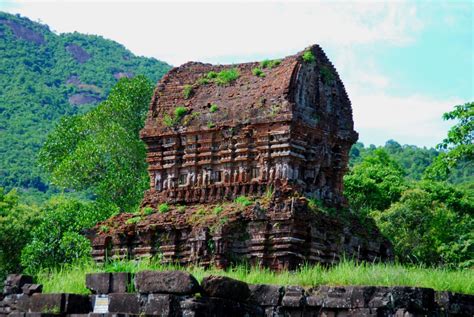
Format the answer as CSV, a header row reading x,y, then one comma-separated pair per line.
x,y
72,278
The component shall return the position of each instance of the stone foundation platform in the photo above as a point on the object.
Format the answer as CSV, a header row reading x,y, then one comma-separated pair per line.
x,y
177,293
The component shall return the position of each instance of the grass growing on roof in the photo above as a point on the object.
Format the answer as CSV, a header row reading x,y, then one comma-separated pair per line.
x,y
71,278
308,56
267,63
258,72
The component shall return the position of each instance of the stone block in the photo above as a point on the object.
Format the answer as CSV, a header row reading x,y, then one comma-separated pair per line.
x,y
98,283
294,297
161,305
168,282
414,299
30,289
15,282
59,303
266,295
455,304
124,303
225,287
105,283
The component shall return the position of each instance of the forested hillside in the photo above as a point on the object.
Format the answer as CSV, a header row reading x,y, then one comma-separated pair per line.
x,y
45,76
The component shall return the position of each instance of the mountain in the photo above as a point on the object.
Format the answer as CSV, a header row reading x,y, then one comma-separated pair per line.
x,y
44,76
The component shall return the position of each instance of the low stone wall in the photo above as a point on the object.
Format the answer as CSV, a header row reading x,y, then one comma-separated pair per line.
x,y
177,293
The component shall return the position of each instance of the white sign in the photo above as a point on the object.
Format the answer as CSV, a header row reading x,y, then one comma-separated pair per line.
x,y
101,304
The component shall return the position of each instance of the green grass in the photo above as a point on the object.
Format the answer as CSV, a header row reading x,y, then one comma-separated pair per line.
x,y
213,108
308,56
227,76
270,63
71,278
258,72
187,91
163,208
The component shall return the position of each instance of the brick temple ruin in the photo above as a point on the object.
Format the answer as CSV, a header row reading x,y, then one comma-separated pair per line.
x,y
292,127
278,132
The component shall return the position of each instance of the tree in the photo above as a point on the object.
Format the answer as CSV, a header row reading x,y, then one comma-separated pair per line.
x,y
101,150
427,225
16,223
57,238
458,145
374,183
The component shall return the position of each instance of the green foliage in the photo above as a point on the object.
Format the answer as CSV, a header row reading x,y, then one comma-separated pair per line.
x,y
178,114
101,150
71,278
222,78
309,57
203,81
217,210
227,76
148,211
258,72
425,228
458,146
104,228
374,183
187,91
163,208
16,223
270,63
327,75
212,75
36,82
133,220
244,201
210,125
56,239
213,108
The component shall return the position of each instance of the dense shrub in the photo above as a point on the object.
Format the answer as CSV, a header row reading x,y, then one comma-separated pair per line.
x,y
57,239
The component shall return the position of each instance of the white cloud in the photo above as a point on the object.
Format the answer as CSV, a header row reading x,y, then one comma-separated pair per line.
x,y
178,32
412,119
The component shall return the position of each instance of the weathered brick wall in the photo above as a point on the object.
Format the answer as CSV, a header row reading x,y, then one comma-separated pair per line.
x,y
281,233
177,293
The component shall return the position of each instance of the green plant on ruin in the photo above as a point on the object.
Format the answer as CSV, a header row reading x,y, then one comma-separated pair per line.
x,y
213,108
181,209
221,78
267,63
133,220
327,75
211,75
269,192
178,114
148,211
203,81
217,210
309,57
210,125
258,72
163,208
274,110
52,310
201,211
227,76
211,245
104,228
243,201
188,91
187,119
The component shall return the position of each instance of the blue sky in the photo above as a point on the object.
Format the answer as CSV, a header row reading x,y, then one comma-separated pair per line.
x,y
404,63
